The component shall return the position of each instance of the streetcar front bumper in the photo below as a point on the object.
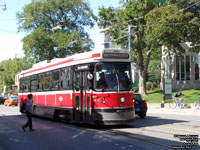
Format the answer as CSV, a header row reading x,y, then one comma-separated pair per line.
x,y
114,116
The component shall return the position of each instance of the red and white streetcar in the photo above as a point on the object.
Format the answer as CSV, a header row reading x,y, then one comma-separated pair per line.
x,y
92,87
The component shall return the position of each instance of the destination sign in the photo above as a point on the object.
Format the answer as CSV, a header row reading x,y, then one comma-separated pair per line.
x,y
116,55
82,67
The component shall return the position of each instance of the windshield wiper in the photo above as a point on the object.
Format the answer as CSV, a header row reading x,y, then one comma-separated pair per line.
x,y
131,89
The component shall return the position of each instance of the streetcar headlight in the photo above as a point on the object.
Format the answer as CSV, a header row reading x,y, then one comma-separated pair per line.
x,y
122,99
103,100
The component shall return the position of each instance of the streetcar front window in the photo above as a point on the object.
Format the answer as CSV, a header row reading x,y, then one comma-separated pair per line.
x,y
113,76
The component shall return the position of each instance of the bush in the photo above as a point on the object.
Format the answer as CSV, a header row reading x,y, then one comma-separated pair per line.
x,y
135,89
148,85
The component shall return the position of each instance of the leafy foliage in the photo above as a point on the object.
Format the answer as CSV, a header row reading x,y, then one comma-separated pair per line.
x,y
11,67
170,26
153,26
39,18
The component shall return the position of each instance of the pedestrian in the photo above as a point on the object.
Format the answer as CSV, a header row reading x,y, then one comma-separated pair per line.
x,y
29,111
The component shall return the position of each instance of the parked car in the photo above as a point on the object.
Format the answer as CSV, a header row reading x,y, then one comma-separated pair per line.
x,y
12,100
140,105
2,100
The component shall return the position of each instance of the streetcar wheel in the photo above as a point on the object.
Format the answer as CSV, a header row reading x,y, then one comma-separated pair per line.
x,y
56,115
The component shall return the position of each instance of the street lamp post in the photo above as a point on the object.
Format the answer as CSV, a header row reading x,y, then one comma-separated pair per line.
x,y
163,86
3,7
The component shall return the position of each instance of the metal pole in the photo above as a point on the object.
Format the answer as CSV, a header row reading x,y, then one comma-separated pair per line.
x,y
129,40
3,84
3,7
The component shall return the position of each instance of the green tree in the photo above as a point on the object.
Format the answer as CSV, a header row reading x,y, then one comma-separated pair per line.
x,y
152,27
11,67
39,18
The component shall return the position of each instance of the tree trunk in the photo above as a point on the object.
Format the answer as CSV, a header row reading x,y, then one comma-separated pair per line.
x,y
142,84
141,73
143,67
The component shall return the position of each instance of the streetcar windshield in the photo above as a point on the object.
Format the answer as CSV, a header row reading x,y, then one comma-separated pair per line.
x,y
113,76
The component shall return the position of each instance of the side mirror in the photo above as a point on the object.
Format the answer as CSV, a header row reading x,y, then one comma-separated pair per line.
x,y
90,76
133,70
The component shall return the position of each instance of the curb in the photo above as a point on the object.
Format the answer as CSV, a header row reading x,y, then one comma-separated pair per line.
x,y
156,108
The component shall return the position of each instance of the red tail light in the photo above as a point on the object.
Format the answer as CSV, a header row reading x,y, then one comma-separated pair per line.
x,y
145,102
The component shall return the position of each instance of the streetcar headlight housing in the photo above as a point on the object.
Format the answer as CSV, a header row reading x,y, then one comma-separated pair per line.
x,y
103,100
122,99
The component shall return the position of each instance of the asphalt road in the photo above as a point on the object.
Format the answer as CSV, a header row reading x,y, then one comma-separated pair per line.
x,y
158,131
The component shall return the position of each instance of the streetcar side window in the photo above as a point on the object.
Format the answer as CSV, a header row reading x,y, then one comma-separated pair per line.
x,y
40,82
66,78
55,80
47,80
26,84
21,84
33,83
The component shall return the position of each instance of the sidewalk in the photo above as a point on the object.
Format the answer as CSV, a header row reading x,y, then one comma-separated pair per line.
x,y
156,108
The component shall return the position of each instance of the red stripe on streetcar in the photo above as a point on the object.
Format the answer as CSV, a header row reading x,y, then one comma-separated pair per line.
x,y
96,55
62,62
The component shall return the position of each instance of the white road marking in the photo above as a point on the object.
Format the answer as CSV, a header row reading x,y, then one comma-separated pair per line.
x,y
72,128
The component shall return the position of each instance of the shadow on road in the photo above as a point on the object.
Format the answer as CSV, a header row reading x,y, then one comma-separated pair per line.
x,y
139,123
99,136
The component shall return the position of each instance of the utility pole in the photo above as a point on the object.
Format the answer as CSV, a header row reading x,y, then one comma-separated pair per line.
x,y
129,40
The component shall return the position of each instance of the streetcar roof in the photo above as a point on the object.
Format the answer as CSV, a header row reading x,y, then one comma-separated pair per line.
x,y
80,58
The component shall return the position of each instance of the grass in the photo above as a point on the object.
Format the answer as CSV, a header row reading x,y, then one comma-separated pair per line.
x,y
190,96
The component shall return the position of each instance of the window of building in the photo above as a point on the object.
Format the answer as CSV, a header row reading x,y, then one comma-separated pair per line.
x,y
197,68
182,66
188,66
177,69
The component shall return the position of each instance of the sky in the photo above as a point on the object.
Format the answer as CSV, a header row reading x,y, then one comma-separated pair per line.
x,y
10,39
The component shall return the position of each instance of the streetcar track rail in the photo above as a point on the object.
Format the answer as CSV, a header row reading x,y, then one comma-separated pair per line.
x,y
140,139
125,134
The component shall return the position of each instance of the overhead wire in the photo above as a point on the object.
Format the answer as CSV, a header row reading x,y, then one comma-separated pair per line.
x,y
179,11
169,24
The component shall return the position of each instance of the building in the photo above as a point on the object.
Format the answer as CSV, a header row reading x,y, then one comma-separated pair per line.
x,y
182,71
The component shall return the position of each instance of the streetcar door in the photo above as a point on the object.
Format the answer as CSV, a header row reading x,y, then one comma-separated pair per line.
x,y
33,82
79,96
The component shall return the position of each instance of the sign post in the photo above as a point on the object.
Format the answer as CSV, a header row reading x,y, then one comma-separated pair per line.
x,y
167,91
168,86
